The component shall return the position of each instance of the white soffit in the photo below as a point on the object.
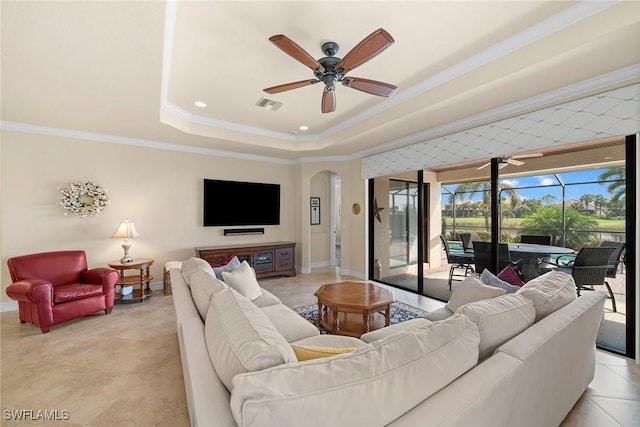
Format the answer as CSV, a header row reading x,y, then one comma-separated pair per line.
x,y
608,114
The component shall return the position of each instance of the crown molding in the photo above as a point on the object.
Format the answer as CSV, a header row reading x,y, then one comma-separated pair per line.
x,y
145,143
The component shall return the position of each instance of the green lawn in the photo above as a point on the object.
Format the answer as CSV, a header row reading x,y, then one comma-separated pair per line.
x,y
613,225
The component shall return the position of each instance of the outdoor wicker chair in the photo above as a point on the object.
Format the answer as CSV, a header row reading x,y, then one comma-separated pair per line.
x,y
589,269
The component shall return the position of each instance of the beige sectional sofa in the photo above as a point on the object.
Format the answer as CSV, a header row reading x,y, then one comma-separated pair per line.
x,y
516,359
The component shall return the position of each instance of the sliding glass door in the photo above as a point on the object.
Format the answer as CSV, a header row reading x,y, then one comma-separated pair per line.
x,y
394,225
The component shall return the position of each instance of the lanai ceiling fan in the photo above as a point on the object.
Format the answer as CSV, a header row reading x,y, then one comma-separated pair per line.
x,y
331,69
512,160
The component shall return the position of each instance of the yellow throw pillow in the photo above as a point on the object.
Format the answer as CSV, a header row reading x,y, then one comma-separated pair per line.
x,y
312,352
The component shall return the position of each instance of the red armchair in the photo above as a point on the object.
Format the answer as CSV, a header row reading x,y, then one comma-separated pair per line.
x,y
53,287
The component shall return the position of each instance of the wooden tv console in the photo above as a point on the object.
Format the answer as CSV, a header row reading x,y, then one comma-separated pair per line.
x,y
267,259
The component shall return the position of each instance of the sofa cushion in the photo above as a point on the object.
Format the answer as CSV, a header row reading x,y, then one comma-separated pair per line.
x,y
240,338
439,314
203,288
243,280
326,340
471,289
549,292
499,319
289,324
193,265
408,326
371,386
76,291
490,279
304,353
266,299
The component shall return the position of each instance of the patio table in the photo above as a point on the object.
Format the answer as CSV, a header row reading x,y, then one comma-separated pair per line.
x,y
529,254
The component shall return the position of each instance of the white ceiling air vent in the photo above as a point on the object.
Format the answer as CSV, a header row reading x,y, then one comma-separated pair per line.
x,y
269,104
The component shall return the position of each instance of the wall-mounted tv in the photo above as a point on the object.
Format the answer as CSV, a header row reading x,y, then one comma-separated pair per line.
x,y
232,203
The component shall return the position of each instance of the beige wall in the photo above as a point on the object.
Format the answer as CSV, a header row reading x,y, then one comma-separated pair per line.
x,y
159,190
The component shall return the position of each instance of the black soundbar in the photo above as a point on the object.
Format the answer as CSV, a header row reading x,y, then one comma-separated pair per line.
x,y
242,231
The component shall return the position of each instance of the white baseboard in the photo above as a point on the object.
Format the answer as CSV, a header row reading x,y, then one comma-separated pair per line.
x,y
320,264
13,305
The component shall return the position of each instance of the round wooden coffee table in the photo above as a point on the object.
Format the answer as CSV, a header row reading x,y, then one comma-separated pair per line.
x,y
353,308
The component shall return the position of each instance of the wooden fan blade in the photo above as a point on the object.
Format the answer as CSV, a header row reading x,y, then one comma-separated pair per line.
x,y
526,156
370,86
289,47
368,48
328,100
289,86
511,161
484,166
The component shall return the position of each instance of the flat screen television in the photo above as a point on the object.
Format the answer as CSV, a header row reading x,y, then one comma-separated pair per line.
x,y
234,203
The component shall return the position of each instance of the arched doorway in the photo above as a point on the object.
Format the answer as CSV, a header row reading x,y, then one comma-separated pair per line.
x,y
325,225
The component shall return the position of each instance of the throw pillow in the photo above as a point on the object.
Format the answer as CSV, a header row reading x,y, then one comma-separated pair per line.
x,y
243,280
509,275
231,265
489,279
193,265
471,289
203,288
499,319
312,352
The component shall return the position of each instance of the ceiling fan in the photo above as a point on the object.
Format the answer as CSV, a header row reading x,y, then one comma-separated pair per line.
x,y
512,160
331,69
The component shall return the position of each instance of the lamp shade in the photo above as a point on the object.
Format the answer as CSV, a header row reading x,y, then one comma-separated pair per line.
x,y
126,230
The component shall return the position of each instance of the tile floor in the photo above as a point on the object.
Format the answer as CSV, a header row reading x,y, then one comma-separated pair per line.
x,y
124,369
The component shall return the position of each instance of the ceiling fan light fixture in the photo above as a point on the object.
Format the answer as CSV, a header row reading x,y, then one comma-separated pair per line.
x,y
331,70
200,104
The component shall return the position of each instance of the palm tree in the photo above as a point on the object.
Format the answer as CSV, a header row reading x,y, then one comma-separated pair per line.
x,y
599,202
586,199
468,189
616,177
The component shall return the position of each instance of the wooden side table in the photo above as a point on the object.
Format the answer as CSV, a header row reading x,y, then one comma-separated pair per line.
x,y
141,278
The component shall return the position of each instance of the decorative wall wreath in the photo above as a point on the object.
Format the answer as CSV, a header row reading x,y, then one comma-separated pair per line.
x,y
84,199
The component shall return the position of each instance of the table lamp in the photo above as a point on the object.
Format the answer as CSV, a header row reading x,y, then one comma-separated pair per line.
x,y
126,231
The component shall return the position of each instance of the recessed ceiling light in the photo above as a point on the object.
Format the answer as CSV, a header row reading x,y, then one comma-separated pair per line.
x,y
200,104
303,127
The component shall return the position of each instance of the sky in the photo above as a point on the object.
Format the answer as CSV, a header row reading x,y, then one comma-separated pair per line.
x,y
575,185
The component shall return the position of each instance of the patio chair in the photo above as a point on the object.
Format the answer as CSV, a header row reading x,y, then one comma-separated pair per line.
x,y
589,269
482,257
616,256
538,240
467,241
457,261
